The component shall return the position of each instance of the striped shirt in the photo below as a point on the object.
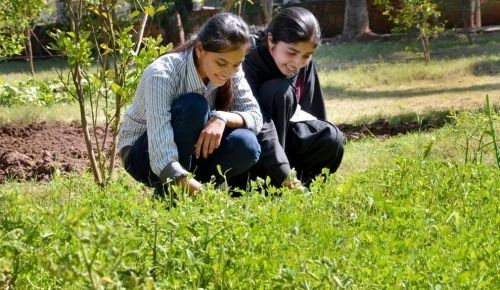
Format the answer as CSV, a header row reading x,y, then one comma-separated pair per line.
x,y
167,78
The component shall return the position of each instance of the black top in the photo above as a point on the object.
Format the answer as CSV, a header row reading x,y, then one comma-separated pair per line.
x,y
259,67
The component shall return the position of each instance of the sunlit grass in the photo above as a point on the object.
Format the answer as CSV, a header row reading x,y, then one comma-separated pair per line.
x,y
447,146
29,114
18,70
24,114
361,82
399,211
366,81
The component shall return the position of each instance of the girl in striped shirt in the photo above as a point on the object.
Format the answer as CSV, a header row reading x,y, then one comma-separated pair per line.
x,y
193,111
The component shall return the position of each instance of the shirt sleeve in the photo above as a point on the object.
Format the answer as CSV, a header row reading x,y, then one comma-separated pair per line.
x,y
245,104
163,154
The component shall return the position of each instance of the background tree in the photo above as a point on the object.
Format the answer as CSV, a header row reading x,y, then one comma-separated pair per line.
x,y
471,17
471,13
17,18
356,21
267,10
409,16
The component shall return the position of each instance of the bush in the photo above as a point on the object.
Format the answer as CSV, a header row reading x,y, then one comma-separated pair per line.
x,y
33,92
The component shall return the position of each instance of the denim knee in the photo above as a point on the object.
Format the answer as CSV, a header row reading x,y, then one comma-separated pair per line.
x,y
190,107
247,148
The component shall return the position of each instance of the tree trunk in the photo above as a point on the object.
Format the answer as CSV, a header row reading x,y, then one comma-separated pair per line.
x,y
180,28
140,33
472,14
181,7
76,74
267,9
356,20
426,49
29,52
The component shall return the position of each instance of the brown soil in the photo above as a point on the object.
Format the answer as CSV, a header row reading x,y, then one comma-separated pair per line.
x,y
36,151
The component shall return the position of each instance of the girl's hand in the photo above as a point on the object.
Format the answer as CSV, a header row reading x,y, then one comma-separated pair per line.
x,y
190,184
210,137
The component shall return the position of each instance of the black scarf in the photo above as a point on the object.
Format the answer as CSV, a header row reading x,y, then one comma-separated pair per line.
x,y
259,67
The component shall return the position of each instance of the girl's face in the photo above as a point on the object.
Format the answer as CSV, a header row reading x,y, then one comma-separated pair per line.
x,y
290,57
218,67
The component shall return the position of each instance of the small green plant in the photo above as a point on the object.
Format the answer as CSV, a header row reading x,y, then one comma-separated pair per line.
x,y
99,34
472,131
492,117
415,15
412,219
33,93
407,221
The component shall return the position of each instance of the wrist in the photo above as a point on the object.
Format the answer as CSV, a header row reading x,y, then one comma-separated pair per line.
x,y
219,115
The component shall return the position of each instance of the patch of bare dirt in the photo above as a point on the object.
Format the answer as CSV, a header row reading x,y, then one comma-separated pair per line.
x,y
382,129
36,151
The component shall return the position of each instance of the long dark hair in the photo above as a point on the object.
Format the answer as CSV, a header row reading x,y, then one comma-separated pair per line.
x,y
294,24
223,32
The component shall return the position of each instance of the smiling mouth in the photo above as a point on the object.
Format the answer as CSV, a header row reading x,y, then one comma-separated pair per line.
x,y
290,69
222,79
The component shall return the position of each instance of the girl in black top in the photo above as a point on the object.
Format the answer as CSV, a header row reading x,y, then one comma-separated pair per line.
x,y
282,75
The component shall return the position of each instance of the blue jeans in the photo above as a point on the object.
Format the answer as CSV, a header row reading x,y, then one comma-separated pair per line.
x,y
237,153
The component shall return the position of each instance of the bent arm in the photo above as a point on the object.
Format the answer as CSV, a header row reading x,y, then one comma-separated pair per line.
x,y
245,111
163,152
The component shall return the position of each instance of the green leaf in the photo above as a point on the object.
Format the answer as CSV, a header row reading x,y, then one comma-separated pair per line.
x,y
149,10
190,255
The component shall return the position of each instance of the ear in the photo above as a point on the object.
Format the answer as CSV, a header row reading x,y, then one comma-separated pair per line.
x,y
198,49
270,42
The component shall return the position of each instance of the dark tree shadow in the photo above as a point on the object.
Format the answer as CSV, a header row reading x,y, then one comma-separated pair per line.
x,y
332,92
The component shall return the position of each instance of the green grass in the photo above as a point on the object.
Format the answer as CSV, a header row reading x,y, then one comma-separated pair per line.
x,y
45,69
366,81
425,221
399,214
29,114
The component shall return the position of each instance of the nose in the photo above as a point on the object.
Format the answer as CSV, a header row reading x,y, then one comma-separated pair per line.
x,y
299,62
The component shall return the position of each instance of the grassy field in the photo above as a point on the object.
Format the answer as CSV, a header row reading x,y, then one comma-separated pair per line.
x,y
418,211
363,82
398,215
18,70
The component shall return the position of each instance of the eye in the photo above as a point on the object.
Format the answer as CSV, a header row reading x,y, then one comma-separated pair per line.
x,y
292,53
221,64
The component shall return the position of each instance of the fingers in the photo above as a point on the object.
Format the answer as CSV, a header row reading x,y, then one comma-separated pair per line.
x,y
198,146
207,147
190,184
207,142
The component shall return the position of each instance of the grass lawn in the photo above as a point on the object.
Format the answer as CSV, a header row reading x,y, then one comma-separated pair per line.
x,y
18,70
396,216
363,82
418,211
